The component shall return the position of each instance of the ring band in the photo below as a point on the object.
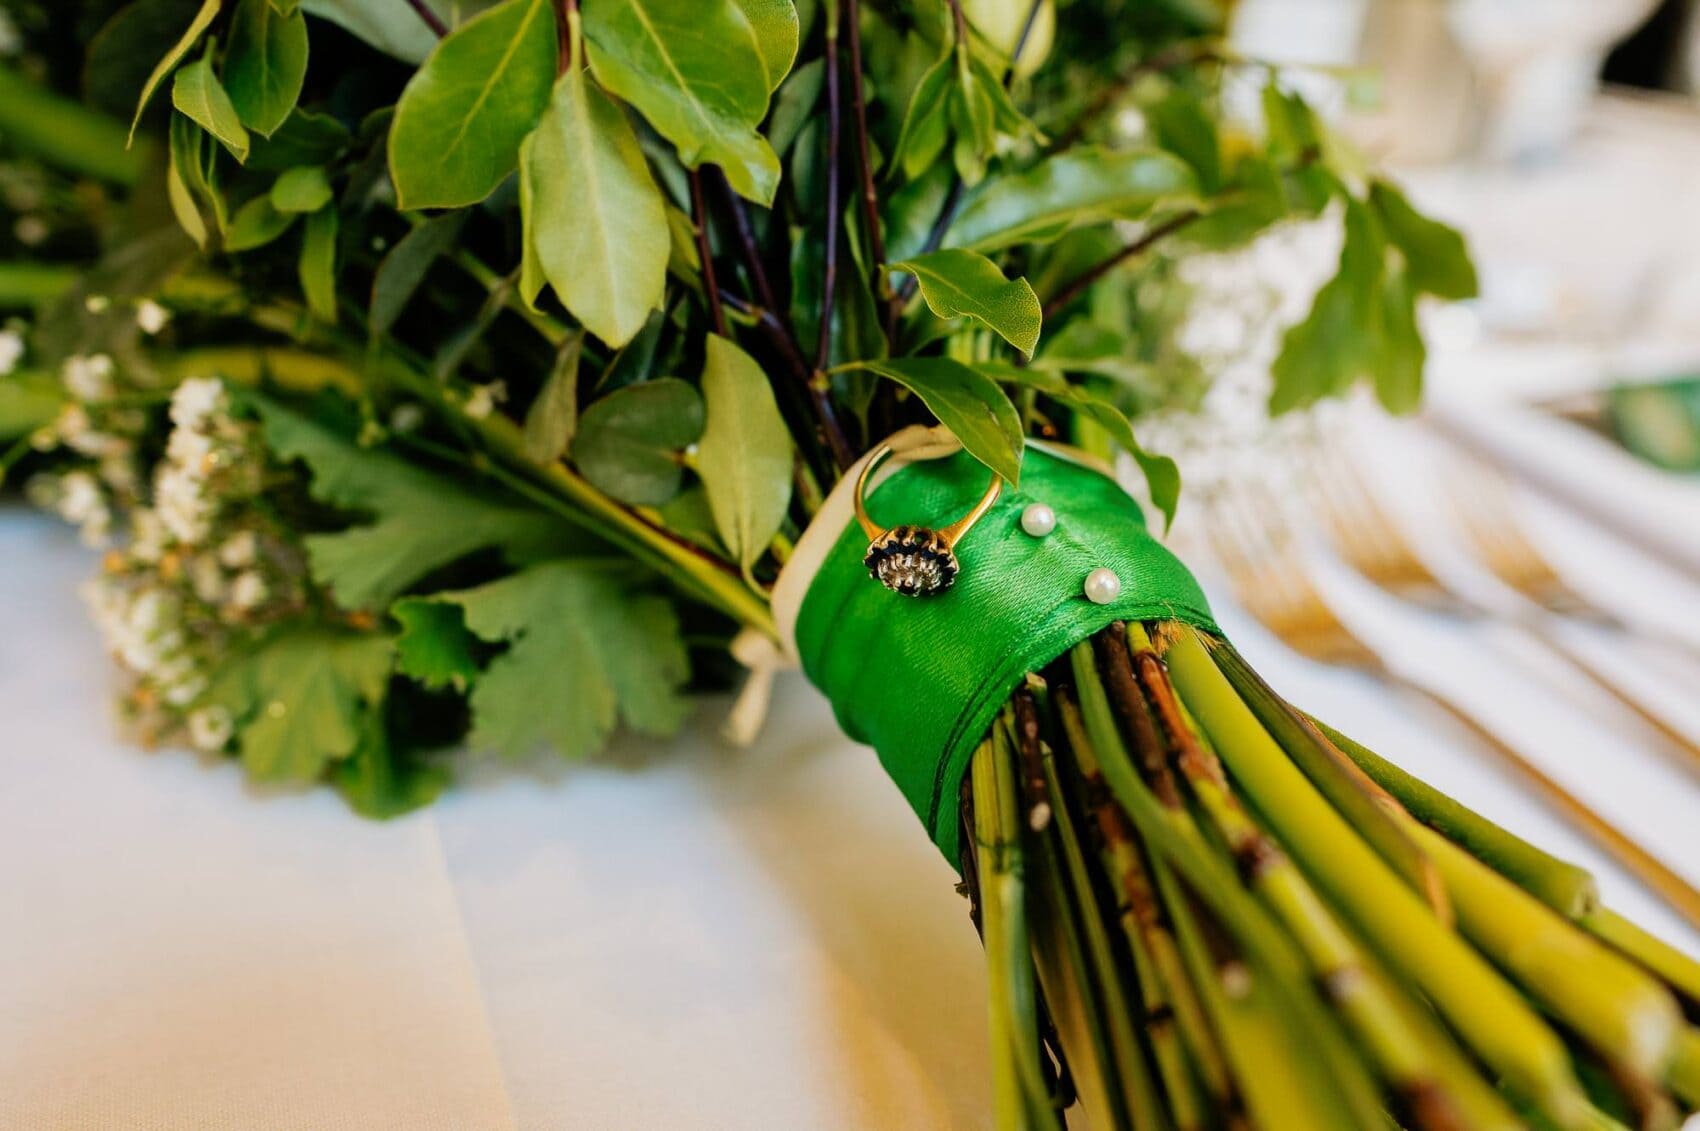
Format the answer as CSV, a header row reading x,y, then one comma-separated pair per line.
x,y
915,561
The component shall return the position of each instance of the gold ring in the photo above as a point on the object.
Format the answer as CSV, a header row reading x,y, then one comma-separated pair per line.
x,y
915,560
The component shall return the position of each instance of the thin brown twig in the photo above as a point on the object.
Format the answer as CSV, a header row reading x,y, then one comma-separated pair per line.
x,y
1075,286
699,220
566,14
829,271
870,197
769,323
953,198
826,425
961,24
431,19
1178,55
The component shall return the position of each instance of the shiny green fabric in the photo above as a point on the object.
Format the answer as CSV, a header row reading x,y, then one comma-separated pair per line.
x,y
921,678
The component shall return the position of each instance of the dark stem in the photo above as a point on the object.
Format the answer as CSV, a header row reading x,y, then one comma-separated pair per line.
x,y
776,324
935,234
953,199
961,24
699,220
752,256
770,324
430,18
1021,40
827,428
829,273
870,198
1151,757
564,35
1075,286
1178,55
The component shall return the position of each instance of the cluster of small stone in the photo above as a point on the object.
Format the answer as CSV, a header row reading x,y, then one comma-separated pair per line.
x,y
916,561
912,560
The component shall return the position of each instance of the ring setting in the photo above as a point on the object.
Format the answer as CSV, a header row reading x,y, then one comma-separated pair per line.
x,y
915,561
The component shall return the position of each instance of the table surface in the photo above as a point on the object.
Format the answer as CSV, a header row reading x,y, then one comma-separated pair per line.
x,y
683,934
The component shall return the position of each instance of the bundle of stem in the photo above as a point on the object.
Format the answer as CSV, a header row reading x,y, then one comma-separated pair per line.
x,y
1204,909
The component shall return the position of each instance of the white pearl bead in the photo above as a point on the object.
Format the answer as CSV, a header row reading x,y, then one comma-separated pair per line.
x,y
1038,519
1103,586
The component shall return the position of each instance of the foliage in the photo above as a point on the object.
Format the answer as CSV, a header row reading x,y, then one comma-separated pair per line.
x,y
555,320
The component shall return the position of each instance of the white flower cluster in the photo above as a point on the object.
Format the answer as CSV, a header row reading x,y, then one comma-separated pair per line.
x,y
204,565
183,499
145,628
80,501
92,424
11,349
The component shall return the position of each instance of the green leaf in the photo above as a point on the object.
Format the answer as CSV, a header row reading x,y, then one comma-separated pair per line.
x,y
305,138
1162,476
1180,124
1399,371
593,216
981,114
795,104
1436,260
28,400
420,520
688,515
302,699
199,95
584,651
965,401
1296,146
553,416
302,189
630,443
926,121
380,782
1340,339
404,268
434,647
394,29
118,58
317,266
694,71
459,123
191,35
965,284
744,457
256,224
1074,188
773,26
185,180
265,63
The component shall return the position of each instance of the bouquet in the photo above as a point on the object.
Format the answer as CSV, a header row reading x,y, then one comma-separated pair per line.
x,y
495,374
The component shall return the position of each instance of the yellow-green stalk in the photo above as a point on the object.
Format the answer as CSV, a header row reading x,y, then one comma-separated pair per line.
x,y
1487,1012
1406,1061
1566,888
1669,963
1157,958
1362,802
1339,1088
1050,834
1020,1095
1619,1010
1683,1075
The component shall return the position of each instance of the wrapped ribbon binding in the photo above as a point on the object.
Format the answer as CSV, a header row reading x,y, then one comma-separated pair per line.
x,y
1200,907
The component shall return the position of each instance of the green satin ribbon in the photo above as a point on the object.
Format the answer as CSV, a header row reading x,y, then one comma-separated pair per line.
x,y
922,678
